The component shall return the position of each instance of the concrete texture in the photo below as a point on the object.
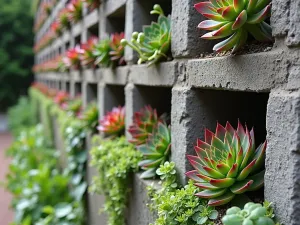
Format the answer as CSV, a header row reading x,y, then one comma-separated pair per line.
x,y
6,214
137,211
283,155
116,76
254,72
163,74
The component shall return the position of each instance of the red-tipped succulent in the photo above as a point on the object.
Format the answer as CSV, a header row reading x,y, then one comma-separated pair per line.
x,y
75,10
144,122
113,122
227,164
233,20
117,50
61,98
72,60
88,58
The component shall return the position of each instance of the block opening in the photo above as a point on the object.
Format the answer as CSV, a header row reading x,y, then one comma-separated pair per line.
x,y
116,21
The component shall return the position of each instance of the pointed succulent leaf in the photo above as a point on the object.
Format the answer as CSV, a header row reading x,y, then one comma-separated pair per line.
x,y
260,16
222,183
211,193
221,200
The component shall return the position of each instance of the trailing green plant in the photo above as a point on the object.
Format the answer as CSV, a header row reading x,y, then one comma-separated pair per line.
x,y
153,44
113,123
90,117
156,150
144,123
175,205
35,181
227,164
45,104
252,214
235,19
114,160
22,115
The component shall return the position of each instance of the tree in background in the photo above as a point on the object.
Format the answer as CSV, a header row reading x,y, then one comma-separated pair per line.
x,y
16,55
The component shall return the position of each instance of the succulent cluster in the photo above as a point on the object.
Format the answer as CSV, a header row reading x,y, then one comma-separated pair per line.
x,y
88,58
152,137
252,214
144,122
235,20
74,9
113,122
153,44
227,164
72,60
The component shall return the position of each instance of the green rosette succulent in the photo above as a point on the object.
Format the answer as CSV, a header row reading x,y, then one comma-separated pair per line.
x,y
101,52
235,19
252,214
227,164
156,150
153,44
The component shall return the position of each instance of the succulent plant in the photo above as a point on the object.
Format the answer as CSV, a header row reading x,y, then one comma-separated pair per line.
x,y
56,28
101,52
90,116
93,4
252,214
153,44
116,49
72,60
74,106
227,164
235,18
61,98
144,123
113,122
63,19
75,10
156,150
88,58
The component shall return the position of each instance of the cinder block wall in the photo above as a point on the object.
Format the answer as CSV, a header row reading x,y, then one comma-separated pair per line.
x,y
262,89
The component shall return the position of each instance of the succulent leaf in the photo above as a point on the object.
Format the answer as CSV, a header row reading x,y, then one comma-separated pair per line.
x,y
227,163
232,19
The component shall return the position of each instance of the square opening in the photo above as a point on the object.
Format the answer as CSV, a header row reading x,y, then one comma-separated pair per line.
x,y
77,40
93,31
145,7
67,46
116,21
67,87
92,93
115,96
77,89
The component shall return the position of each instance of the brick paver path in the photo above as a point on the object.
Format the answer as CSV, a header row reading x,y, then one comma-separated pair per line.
x,y
6,214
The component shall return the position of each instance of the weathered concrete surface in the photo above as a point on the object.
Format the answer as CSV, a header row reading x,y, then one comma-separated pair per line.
x,y
138,211
254,72
186,41
116,76
163,74
282,176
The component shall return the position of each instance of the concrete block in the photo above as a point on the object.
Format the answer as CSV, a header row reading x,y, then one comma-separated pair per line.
x,y
89,76
186,41
293,38
253,72
193,110
138,212
283,155
111,6
59,143
91,19
117,76
163,74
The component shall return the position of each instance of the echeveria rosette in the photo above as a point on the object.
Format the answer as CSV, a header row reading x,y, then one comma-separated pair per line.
x,y
235,19
144,123
88,58
153,44
113,123
116,49
101,52
74,9
252,214
227,164
155,151
72,60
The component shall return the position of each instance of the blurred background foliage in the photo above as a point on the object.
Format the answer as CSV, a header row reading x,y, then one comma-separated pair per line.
x,y
16,54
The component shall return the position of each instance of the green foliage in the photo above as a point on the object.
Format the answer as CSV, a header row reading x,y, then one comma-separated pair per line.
x,y
153,44
90,117
35,181
16,54
178,206
114,160
252,214
21,115
44,105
